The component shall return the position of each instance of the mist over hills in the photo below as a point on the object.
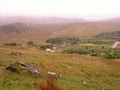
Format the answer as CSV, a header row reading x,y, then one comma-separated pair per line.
x,y
38,20
31,28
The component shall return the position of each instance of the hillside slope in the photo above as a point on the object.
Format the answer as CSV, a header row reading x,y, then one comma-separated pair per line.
x,y
77,71
26,31
88,29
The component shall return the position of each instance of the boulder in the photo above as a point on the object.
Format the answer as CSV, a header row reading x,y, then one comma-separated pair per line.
x,y
12,69
31,67
53,75
17,67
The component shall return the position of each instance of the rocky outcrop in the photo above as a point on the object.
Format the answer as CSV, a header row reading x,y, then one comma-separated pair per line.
x,y
19,66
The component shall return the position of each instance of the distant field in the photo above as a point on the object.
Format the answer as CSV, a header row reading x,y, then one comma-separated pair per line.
x,y
79,72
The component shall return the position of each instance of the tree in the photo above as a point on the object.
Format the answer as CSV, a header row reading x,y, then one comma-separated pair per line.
x,y
30,43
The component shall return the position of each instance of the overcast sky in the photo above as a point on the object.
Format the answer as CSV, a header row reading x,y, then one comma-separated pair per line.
x,y
88,9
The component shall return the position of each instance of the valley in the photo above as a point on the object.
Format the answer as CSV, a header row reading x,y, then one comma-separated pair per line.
x,y
76,54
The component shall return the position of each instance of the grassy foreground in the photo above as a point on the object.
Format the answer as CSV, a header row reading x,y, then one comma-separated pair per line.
x,y
78,72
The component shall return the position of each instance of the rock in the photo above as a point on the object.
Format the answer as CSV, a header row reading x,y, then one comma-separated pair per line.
x,y
12,69
16,53
34,72
84,82
32,68
26,66
53,75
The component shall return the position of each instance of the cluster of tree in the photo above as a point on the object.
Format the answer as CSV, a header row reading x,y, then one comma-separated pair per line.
x,y
98,42
31,43
64,40
80,51
101,52
109,35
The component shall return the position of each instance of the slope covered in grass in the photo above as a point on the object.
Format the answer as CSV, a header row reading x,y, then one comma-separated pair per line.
x,y
87,30
78,72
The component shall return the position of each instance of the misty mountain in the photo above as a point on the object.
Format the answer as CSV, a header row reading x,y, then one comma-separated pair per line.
x,y
14,28
45,28
37,20
115,20
29,31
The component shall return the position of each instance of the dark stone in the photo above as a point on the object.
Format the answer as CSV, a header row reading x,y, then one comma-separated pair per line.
x,y
27,66
12,69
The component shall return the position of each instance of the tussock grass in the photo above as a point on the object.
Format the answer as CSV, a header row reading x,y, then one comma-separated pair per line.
x,y
48,85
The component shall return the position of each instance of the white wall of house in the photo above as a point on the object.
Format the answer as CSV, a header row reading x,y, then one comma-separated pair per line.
x,y
115,44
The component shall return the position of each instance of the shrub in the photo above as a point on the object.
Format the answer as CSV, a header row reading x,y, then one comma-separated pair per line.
x,y
113,54
11,44
30,43
76,51
100,51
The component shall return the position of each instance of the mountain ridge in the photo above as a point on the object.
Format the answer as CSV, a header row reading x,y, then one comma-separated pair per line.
x,y
43,31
